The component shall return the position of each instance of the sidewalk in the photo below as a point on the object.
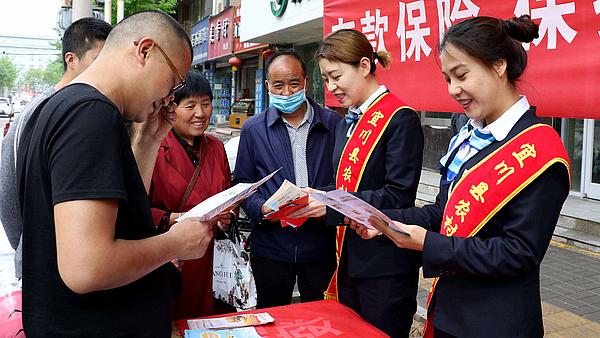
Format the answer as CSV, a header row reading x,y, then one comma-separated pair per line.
x,y
570,288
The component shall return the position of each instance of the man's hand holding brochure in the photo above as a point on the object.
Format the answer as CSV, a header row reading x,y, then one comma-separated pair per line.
x,y
225,200
287,199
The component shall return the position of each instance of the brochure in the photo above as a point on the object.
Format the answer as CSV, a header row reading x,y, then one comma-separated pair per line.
x,y
216,204
244,332
231,322
354,208
287,199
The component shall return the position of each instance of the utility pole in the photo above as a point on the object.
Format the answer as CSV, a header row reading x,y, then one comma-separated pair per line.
x,y
81,9
120,10
108,11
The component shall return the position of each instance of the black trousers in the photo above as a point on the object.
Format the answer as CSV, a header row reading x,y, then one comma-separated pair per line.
x,y
275,280
388,302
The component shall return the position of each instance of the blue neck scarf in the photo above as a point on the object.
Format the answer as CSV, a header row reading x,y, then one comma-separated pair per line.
x,y
469,141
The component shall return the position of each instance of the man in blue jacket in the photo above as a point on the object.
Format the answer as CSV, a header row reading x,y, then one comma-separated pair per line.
x,y
297,135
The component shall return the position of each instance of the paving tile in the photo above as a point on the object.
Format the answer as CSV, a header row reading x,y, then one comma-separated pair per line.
x,y
586,309
583,331
562,320
583,294
594,317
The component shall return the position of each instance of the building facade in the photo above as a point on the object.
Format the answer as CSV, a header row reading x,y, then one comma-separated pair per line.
x,y
28,52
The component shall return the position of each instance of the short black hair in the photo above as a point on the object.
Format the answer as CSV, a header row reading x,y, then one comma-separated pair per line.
x,y
282,52
82,35
195,84
149,22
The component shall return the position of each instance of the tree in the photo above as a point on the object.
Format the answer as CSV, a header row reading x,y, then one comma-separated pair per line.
x,y
134,6
34,78
8,72
53,72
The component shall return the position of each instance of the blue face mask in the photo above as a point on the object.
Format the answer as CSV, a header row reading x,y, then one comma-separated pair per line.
x,y
287,104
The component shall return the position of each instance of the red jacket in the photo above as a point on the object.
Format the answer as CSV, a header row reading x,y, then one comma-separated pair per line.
x,y
172,172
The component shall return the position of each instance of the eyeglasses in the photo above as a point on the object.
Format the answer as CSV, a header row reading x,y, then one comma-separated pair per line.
x,y
173,68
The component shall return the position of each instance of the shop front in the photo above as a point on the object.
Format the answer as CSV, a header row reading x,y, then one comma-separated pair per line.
x,y
220,50
250,77
285,24
562,78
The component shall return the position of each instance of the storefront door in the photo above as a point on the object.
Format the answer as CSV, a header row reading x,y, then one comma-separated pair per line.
x,y
592,160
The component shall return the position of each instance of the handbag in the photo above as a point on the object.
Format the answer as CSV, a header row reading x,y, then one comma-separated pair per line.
x,y
233,281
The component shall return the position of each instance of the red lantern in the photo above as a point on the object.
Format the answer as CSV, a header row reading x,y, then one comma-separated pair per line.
x,y
235,63
266,53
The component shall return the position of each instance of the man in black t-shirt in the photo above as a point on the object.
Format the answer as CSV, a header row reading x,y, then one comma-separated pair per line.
x,y
92,262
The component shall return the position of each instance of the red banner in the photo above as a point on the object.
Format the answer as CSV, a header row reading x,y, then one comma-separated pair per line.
x,y
220,34
563,74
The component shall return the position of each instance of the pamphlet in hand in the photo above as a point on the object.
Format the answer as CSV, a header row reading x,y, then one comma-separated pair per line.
x,y
354,208
231,322
287,199
244,332
216,204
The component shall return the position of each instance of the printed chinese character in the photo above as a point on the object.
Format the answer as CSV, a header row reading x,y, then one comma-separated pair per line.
x,y
450,228
211,36
364,135
301,328
376,116
504,171
347,174
415,11
225,28
552,21
218,30
353,156
478,191
450,10
462,209
373,27
528,151
343,187
342,25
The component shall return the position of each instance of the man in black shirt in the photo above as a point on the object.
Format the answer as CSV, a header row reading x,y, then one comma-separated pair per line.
x,y
92,262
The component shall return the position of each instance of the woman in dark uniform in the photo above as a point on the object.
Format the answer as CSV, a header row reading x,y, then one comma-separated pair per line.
x,y
504,180
377,156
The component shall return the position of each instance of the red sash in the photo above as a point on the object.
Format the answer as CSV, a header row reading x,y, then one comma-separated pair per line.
x,y
484,189
356,154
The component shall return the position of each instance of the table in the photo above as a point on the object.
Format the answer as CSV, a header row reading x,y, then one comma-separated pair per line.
x,y
325,318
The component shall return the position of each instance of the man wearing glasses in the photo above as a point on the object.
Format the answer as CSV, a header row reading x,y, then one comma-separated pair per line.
x,y
92,262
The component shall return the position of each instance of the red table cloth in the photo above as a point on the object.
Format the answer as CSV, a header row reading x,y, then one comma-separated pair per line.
x,y
325,318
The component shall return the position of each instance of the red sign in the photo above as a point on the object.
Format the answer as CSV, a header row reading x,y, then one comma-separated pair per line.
x,y
220,34
563,73
240,47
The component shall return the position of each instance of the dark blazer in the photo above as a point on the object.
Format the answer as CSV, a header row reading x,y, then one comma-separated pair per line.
x,y
265,147
390,180
489,283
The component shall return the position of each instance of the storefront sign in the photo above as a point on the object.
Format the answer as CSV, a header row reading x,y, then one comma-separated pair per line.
x,y
220,34
278,6
300,20
259,92
200,41
563,74
238,45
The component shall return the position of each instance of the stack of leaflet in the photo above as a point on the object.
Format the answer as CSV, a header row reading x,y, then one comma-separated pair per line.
x,y
236,326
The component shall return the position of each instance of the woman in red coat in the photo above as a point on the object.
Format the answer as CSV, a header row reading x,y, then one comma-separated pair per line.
x,y
180,153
